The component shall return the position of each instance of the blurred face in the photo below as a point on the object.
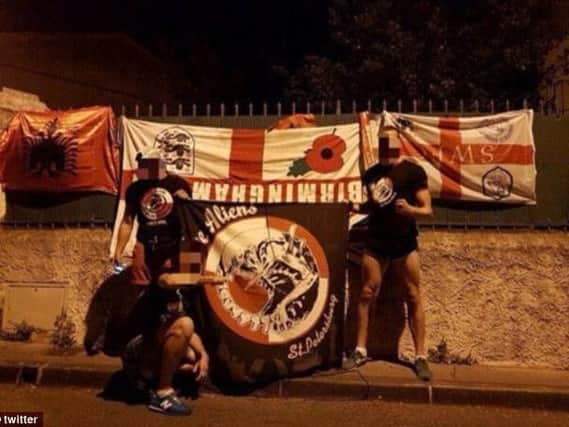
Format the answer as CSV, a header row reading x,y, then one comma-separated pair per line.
x,y
387,156
151,169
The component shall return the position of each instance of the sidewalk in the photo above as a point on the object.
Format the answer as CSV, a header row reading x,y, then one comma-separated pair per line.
x,y
452,384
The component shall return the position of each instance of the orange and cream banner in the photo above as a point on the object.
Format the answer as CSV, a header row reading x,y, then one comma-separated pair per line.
x,y
484,158
304,165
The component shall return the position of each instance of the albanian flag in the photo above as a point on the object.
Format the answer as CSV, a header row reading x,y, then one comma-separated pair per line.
x,y
59,151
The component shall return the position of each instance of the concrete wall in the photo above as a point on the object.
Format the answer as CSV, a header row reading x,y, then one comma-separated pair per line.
x,y
501,297
78,257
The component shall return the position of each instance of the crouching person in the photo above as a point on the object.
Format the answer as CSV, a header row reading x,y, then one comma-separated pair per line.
x,y
151,361
168,341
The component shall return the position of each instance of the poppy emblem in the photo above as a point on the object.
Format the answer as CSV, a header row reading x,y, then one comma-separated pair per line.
x,y
325,156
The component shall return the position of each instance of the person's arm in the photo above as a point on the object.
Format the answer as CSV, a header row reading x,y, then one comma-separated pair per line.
x,y
184,191
124,233
365,206
423,209
201,367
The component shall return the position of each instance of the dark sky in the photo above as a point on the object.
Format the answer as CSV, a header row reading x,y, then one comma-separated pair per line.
x,y
234,43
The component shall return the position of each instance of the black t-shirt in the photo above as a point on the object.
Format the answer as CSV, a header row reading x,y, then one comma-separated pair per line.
x,y
385,184
153,202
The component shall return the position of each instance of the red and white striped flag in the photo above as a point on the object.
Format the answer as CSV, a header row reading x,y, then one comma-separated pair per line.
x,y
304,165
484,158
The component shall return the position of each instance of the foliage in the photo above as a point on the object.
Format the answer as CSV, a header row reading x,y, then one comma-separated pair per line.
x,y
63,336
22,332
430,49
441,354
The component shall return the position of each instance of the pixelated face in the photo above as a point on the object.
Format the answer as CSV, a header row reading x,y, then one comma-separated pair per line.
x,y
387,155
151,169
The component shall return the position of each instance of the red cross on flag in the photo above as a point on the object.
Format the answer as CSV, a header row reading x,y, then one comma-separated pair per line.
x,y
484,158
300,165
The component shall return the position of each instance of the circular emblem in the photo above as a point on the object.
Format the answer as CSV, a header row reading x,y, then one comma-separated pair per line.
x,y
156,203
279,279
497,183
177,149
382,191
497,130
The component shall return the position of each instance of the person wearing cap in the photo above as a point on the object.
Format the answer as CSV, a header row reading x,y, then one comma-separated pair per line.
x,y
398,194
169,339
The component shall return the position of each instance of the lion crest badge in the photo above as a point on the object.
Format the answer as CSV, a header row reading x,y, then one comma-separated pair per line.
x,y
177,147
497,183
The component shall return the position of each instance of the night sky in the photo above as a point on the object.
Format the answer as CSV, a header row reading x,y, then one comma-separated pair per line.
x,y
236,43
229,50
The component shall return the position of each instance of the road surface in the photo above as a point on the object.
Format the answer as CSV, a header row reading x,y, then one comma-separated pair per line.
x,y
70,407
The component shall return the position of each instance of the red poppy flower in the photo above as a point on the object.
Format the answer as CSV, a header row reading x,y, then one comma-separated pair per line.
x,y
325,156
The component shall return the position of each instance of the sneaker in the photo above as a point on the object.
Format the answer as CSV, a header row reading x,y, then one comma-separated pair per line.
x,y
355,360
422,370
169,405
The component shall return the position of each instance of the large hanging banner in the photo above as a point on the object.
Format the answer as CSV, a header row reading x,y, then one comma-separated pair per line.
x,y
304,165
60,151
484,158
281,313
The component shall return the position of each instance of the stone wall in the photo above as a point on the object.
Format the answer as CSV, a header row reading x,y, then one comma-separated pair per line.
x,y
76,256
501,297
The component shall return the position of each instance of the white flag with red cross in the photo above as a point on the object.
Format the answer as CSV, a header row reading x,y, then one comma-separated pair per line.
x,y
484,158
304,165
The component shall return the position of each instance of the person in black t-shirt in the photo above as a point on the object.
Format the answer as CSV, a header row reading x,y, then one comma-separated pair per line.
x,y
397,195
169,341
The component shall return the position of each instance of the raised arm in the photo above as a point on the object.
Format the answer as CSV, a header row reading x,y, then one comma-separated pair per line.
x,y
423,209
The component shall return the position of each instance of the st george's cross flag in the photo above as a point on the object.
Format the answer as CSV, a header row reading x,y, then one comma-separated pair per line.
x,y
304,165
484,158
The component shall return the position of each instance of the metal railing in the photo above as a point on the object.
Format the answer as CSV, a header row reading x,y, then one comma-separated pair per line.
x,y
337,107
551,131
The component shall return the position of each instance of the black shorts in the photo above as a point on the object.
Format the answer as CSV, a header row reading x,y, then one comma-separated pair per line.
x,y
392,248
155,307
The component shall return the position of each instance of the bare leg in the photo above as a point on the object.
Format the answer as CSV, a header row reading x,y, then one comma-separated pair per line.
x,y
372,273
175,348
408,271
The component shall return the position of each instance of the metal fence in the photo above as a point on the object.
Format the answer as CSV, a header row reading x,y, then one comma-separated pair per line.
x,y
551,132
338,107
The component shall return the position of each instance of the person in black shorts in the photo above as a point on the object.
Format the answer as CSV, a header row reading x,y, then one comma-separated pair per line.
x,y
168,337
397,195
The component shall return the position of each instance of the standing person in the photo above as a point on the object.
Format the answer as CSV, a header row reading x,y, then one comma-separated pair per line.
x,y
398,195
168,333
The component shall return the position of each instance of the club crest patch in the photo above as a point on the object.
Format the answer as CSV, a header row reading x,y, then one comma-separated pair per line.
x,y
497,183
279,279
177,148
496,130
382,191
156,204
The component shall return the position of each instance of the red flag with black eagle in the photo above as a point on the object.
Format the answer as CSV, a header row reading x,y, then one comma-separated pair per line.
x,y
60,151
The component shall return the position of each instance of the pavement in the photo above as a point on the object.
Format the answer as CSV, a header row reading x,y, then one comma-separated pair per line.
x,y
539,388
